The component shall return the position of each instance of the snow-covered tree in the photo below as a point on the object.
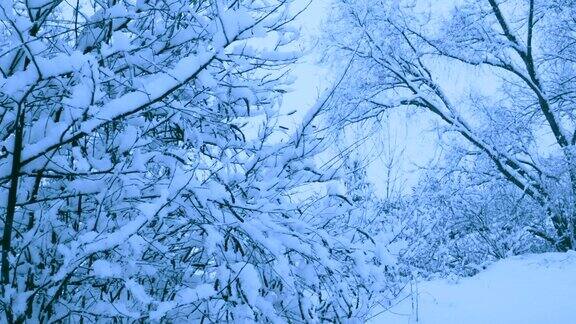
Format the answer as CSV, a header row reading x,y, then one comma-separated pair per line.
x,y
144,173
496,75
459,222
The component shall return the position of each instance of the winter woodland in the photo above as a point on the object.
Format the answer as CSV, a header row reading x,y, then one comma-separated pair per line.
x,y
151,171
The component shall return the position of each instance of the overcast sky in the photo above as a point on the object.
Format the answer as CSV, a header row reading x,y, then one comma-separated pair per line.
x,y
407,132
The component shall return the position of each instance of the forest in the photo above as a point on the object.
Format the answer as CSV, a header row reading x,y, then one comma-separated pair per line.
x,y
287,161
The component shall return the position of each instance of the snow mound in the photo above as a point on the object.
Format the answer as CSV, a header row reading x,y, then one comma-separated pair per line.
x,y
526,289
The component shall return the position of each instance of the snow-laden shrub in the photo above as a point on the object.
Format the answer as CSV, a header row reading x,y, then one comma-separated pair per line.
x,y
461,217
144,175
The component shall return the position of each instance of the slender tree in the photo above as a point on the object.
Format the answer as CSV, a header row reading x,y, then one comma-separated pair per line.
x,y
417,54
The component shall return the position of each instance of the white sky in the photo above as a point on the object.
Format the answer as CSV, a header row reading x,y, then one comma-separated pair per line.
x,y
407,132
312,79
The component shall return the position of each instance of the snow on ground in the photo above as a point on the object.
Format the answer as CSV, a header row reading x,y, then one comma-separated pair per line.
x,y
526,289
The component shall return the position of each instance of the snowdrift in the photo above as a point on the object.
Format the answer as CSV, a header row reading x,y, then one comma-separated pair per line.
x,y
526,289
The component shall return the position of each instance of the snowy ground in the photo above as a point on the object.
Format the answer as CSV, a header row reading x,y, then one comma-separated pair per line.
x,y
528,289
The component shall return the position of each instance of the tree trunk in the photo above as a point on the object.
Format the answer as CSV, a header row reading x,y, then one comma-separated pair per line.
x,y
12,197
